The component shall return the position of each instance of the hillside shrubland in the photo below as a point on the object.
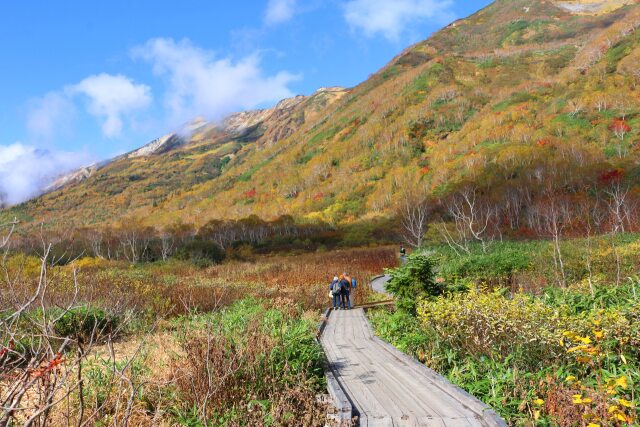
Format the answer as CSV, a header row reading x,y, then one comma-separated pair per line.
x,y
522,102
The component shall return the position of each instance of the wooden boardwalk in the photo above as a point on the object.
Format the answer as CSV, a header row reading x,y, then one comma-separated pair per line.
x,y
387,387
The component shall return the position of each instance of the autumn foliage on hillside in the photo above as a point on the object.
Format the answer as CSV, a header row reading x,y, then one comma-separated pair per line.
x,y
520,107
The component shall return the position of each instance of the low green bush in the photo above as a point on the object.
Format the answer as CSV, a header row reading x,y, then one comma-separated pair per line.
x,y
201,253
531,265
498,264
86,323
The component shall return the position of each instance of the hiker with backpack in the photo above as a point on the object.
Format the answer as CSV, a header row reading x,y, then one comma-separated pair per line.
x,y
345,285
403,255
335,291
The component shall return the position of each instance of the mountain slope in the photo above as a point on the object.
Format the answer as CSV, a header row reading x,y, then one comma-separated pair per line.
x,y
483,98
137,182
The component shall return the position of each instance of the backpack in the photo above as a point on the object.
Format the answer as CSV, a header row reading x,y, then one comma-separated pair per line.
x,y
336,288
344,285
354,283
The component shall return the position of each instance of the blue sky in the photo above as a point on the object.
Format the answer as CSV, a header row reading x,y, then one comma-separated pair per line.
x,y
84,81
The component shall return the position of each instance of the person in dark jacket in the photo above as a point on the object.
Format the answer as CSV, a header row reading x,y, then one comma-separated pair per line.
x,y
345,284
403,255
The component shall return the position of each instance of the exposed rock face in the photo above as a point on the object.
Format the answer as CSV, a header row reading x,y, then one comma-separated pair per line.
x,y
158,146
332,89
273,124
592,6
240,124
71,178
287,117
266,126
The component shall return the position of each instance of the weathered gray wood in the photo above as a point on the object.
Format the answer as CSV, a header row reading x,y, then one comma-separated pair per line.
x,y
389,388
344,410
323,323
341,413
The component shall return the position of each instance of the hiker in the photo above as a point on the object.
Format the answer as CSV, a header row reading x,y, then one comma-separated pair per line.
x,y
403,255
335,290
345,284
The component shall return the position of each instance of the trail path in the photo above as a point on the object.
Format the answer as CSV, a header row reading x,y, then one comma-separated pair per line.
x,y
378,284
389,388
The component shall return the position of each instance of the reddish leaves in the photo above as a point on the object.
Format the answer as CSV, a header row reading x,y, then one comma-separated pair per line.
x,y
44,370
620,127
543,142
11,345
610,176
251,193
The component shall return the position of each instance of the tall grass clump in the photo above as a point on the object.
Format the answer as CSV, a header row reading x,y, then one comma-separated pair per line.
x,y
250,364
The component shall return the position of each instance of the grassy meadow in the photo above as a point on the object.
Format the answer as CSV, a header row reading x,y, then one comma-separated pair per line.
x,y
99,342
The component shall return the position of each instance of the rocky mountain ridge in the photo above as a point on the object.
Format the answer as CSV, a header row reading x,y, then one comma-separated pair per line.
x,y
237,125
593,6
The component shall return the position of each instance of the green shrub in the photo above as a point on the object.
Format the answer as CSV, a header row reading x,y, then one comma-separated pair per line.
x,y
86,324
498,264
414,280
582,298
400,328
201,253
492,325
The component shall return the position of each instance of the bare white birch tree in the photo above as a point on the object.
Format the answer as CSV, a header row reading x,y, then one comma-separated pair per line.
x,y
414,211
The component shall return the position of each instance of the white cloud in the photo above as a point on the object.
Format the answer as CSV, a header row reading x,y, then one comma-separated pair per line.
x,y
25,170
199,84
392,18
110,97
49,115
279,11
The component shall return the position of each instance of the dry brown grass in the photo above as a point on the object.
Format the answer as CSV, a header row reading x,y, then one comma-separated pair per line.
x,y
161,290
305,278
153,376
216,374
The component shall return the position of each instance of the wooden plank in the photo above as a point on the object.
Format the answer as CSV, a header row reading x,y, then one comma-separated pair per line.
x,y
388,388
445,386
357,369
344,410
